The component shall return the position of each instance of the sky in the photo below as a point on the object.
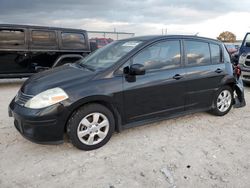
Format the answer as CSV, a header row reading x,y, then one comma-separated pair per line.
x,y
142,17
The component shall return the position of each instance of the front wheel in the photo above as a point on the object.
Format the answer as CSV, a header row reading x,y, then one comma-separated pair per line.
x,y
223,101
91,126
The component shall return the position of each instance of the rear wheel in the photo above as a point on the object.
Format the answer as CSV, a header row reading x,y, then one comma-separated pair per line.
x,y
223,101
91,127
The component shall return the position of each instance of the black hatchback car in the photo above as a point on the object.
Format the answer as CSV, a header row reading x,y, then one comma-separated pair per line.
x,y
124,84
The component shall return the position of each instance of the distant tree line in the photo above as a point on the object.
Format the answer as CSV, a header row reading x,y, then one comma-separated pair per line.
x,y
227,36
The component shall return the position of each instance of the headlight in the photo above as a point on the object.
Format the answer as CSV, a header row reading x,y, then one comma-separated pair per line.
x,y
242,59
47,98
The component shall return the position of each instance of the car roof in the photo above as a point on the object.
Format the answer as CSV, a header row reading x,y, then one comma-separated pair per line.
x,y
38,27
158,37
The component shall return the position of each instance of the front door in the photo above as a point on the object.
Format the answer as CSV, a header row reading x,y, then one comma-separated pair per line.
x,y
161,91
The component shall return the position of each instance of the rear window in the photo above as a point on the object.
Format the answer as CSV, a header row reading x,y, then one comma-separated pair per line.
x,y
73,40
12,37
44,38
197,52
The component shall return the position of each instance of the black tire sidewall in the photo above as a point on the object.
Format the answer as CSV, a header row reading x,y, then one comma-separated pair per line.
x,y
79,115
216,111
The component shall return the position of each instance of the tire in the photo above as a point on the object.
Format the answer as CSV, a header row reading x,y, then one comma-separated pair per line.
x,y
225,107
91,126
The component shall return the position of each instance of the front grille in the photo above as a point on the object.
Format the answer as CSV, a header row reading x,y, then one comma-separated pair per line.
x,y
246,76
247,62
22,98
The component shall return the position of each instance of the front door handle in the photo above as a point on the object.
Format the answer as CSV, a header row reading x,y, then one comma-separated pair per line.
x,y
218,70
177,77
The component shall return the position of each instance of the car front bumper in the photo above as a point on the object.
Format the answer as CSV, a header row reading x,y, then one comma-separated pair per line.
x,y
44,126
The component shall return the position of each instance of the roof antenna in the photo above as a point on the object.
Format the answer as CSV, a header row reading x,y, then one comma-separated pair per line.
x,y
196,34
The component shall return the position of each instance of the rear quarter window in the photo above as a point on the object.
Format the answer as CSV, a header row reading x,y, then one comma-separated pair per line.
x,y
12,37
215,53
197,52
73,40
227,58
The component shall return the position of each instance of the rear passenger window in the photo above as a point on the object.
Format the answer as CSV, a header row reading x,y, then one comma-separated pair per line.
x,y
11,37
44,38
215,53
162,55
73,41
197,52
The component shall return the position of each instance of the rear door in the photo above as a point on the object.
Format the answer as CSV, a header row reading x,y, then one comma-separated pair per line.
x,y
161,91
204,71
14,57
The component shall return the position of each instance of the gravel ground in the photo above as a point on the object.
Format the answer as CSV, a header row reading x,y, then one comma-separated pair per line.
x,y
199,150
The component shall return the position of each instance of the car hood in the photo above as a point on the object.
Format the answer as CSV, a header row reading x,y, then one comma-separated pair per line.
x,y
65,77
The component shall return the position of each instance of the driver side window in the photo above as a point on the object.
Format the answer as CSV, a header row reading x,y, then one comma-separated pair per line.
x,y
160,56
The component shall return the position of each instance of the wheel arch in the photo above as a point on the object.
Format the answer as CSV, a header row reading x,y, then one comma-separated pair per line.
x,y
226,81
61,57
99,99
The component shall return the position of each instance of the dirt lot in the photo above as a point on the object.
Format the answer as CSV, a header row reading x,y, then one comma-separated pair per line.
x,y
197,150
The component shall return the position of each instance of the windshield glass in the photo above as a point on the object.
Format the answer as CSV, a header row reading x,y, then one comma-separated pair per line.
x,y
108,55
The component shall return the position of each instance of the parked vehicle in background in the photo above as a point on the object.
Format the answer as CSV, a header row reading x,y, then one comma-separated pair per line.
x,y
243,58
101,42
231,48
244,63
124,84
25,50
245,45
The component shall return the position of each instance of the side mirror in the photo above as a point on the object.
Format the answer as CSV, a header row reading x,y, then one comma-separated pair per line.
x,y
247,44
135,69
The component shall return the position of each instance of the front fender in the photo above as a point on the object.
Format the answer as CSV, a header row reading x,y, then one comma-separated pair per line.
x,y
107,101
90,99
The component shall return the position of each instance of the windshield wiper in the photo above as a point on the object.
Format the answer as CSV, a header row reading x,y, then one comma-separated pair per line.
x,y
87,67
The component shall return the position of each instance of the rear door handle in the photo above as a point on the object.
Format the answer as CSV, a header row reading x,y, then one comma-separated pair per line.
x,y
218,70
177,77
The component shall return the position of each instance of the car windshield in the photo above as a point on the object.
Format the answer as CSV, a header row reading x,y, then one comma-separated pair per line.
x,y
108,55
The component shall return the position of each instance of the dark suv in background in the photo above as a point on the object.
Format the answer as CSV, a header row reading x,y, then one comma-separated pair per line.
x,y
244,58
124,84
25,50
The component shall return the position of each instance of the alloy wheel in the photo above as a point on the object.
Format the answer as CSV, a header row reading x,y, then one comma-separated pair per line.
x,y
224,100
93,128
